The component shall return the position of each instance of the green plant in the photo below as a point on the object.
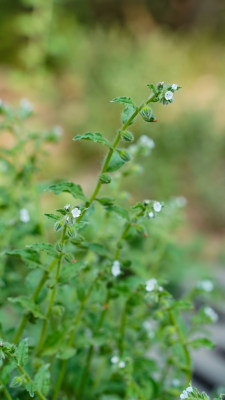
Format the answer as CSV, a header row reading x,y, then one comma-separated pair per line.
x,y
97,321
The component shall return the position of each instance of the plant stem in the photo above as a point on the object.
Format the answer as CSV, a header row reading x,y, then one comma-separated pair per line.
x,y
41,283
183,344
52,298
122,329
71,338
84,375
24,373
5,391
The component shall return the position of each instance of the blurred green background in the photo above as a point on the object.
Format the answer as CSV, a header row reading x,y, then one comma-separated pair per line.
x,y
70,57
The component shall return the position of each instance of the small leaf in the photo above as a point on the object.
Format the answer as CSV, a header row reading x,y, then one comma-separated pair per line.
x,y
52,216
127,114
69,187
122,212
28,305
201,342
42,379
115,163
30,388
22,352
124,100
106,201
94,137
47,247
29,255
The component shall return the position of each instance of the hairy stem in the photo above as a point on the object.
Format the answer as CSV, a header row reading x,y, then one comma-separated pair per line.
x,y
71,338
184,346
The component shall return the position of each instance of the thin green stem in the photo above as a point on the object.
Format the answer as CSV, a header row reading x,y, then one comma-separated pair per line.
x,y
5,391
24,373
123,322
41,283
184,346
84,375
53,293
71,338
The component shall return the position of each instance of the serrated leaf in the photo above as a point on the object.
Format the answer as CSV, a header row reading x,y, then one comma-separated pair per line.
x,y
22,352
115,163
28,305
48,247
201,342
69,187
127,114
29,255
124,100
95,137
42,379
30,388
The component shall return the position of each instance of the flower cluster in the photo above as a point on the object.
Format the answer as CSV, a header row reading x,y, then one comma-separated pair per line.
x,y
186,393
115,360
165,93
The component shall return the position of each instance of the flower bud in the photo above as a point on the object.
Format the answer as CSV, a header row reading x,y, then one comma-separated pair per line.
x,y
124,155
127,136
147,114
105,179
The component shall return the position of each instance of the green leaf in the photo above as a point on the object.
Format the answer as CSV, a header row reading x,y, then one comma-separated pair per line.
x,y
124,100
52,216
28,305
106,201
201,342
22,352
47,247
182,305
97,248
29,255
94,137
127,114
30,388
69,187
42,379
115,163
66,352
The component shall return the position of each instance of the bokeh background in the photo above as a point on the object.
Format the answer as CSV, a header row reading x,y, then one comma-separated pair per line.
x,y
71,57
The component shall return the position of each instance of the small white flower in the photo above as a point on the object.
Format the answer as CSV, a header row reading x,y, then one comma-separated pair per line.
x,y
174,86
114,360
75,212
26,105
121,364
150,215
184,395
144,140
209,312
189,389
146,202
67,207
157,206
116,271
150,285
169,95
24,215
205,285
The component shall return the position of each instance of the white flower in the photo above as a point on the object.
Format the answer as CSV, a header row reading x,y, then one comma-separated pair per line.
x,y
209,312
157,206
150,285
146,202
144,140
121,364
189,389
205,285
169,95
24,215
114,360
67,207
184,395
174,86
150,215
75,212
116,268
26,105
